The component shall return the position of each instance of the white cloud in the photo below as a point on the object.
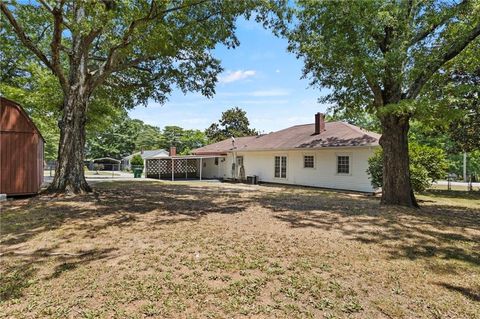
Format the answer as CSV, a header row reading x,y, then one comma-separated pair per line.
x,y
271,92
232,76
277,71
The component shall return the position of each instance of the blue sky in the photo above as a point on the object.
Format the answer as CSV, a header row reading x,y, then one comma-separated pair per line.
x,y
260,77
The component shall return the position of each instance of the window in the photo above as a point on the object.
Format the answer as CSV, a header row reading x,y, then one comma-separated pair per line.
x,y
308,161
343,164
216,160
281,166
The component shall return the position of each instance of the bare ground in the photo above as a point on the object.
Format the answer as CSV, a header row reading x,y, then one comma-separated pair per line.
x,y
199,250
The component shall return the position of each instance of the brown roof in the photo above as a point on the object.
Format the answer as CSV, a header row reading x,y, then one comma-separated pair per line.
x,y
336,134
9,124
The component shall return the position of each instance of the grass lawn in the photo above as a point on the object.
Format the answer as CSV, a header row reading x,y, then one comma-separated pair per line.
x,y
208,250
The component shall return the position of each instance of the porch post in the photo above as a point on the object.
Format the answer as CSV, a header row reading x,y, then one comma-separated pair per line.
x,y
173,170
201,165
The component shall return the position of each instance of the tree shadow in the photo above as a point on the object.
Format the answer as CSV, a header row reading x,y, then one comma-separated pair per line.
x,y
405,233
22,268
467,292
122,202
473,195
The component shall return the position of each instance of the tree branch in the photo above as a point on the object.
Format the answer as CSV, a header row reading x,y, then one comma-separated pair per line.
x,y
108,66
433,66
431,28
24,38
376,90
55,45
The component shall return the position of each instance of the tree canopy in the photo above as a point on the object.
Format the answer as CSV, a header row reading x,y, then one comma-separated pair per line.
x,y
233,123
378,57
125,51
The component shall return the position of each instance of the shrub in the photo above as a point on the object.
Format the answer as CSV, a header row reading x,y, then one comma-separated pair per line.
x,y
427,165
137,160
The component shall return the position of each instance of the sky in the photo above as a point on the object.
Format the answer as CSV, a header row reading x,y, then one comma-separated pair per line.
x,y
259,76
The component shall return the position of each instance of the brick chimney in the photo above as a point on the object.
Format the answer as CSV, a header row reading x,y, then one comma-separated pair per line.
x,y
319,123
173,151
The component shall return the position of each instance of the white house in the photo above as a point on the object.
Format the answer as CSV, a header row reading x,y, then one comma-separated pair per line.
x,y
144,154
323,154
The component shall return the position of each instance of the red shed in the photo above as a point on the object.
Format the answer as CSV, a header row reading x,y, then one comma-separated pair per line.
x,y
21,151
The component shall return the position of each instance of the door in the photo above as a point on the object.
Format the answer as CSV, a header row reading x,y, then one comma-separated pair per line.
x,y
240,168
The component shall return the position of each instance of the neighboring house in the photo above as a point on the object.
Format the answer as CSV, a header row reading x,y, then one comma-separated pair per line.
x,y
145,154
21,151
323,154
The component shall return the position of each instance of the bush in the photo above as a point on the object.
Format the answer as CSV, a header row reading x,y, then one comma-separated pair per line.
x,y
137,160
427,165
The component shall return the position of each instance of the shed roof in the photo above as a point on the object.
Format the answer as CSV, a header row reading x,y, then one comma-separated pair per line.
x,y
336,134
8,125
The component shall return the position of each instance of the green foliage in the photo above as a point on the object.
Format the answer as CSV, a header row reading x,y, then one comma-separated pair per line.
x,y
473,164
115,54
127,136
184,140
427,165
360,119
368,49
452,104
41,101
136,160
234,122
136,50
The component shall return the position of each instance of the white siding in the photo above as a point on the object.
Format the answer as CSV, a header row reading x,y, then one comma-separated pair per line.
x,y
324,174
210,170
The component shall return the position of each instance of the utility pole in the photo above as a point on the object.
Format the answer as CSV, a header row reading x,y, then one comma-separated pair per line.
x,y
465,166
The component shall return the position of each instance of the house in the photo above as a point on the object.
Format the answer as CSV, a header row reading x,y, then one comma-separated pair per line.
x,y
144,154
324,154
21,151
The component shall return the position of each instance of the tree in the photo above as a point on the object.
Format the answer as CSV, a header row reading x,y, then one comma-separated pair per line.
x,y
148,137
454,100
233,123
358,118
192,139
377,56
172,136
137,160
427,165
37,91
183,140
127,51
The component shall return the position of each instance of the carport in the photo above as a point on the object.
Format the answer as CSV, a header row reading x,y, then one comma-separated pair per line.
x,y
179,167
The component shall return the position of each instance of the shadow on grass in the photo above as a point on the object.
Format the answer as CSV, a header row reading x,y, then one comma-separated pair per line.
x,y
474,195
433,231
22,268
467,292
123,201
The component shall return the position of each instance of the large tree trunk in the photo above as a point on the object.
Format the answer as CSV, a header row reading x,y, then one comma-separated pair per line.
x,y
69,174
397,189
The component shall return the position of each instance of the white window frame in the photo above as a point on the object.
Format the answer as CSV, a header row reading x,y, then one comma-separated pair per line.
x,y
350,160
286,166
314,160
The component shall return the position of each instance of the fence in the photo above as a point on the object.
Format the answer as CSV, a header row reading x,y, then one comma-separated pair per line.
x,y
92,170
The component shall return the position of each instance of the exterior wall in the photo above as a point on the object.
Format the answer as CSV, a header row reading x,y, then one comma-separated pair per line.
x,y
324,174
210,170
21,152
